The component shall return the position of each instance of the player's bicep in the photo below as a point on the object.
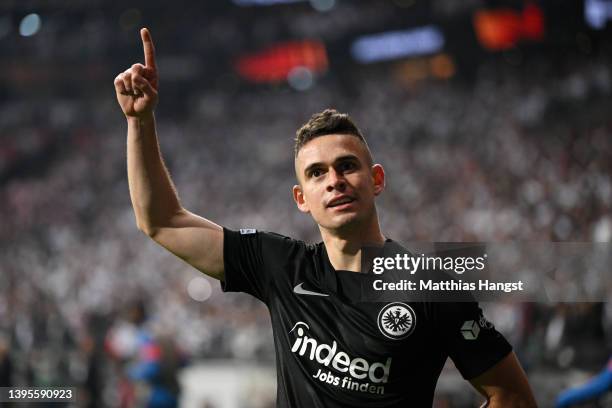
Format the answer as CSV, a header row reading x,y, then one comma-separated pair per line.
x,y
196,240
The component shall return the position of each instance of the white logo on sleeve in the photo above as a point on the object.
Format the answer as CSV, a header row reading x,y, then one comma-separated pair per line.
x,y
247,231
470,330
396,320
484,323
301,291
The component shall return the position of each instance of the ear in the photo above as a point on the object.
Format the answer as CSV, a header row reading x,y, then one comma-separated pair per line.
x,y
298,197
378,174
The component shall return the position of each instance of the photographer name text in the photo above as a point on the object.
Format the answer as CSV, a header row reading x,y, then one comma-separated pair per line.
x,y
448,285
459,265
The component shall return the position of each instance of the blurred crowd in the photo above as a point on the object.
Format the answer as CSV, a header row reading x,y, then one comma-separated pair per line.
x,y
516,153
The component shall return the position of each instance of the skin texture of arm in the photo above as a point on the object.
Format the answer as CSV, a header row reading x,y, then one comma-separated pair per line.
x,y
505,385
159,213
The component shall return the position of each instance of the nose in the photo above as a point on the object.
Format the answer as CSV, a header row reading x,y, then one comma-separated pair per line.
x,y
336,181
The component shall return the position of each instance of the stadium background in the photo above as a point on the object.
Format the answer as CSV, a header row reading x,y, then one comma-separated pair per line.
x,y
492,119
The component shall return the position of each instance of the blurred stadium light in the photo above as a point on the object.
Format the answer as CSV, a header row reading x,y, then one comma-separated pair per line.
x,y
30,25
440,66
275,63
300,78
597,13
397,44
323,5
319,5
199,289
502,29
264,2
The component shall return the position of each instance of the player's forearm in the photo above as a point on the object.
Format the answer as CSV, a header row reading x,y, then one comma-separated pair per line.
x,y
153,195
505,385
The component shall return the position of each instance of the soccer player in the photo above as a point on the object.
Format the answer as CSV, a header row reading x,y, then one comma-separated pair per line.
x,y
332,350
592,390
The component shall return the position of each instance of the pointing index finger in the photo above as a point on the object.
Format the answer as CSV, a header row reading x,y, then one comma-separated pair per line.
x,y
149,48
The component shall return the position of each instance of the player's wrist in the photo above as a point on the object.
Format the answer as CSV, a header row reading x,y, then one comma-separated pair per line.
x,y
140,119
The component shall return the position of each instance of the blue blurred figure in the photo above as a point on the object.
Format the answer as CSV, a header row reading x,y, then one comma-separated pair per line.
x,y
595,388
158,364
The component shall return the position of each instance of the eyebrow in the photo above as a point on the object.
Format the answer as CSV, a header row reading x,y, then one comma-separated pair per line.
x,y
340,159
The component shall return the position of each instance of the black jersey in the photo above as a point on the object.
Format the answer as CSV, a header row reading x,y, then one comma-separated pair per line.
x,y
333,350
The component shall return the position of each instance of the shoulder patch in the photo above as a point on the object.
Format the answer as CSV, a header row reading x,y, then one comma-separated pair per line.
x,y
470,330
246,231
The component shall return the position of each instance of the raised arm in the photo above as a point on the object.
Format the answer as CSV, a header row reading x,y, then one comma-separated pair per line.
x,y
159,213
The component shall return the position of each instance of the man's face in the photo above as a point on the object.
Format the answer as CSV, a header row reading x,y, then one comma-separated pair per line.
x,y
337,182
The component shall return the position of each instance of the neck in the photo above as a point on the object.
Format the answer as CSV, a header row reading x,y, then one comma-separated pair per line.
x,y
344,246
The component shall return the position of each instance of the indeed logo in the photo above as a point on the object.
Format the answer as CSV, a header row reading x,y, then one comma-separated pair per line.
x,y
327,355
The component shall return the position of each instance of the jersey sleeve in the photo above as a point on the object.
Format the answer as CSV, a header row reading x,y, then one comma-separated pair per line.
x,y
471,341
253,261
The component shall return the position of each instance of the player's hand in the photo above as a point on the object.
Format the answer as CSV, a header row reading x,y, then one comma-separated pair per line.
x,y
137,86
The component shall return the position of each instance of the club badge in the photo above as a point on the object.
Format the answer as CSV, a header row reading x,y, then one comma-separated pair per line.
x,y
396,320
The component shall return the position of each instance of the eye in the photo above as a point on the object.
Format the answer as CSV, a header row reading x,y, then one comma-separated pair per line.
x,y
314,173
347,166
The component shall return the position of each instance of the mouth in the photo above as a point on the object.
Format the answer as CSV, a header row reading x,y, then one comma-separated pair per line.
x,y
341,201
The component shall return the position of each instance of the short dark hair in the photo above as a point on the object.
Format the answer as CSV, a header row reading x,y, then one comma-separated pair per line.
x,y
328,122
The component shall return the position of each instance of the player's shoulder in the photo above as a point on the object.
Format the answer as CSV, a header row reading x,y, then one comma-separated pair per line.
x,y
298,243
277,240
392,246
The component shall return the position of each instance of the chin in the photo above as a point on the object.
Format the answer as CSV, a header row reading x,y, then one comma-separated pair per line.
x,y
342,221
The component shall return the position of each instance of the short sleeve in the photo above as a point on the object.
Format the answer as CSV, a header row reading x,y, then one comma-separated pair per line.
x,y
254,261
242,263
471,341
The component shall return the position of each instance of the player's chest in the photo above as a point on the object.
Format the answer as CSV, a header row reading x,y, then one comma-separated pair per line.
x,y
329,307
308,312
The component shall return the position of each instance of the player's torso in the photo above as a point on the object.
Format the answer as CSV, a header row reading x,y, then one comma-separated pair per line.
x,y
335,350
